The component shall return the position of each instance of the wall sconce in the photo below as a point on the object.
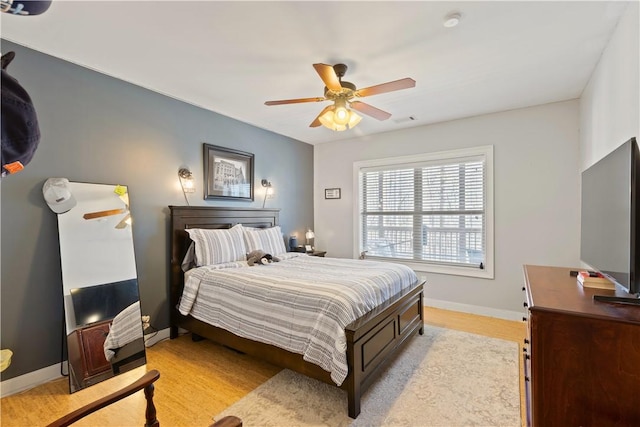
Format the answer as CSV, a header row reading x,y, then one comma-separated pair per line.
x,y
268,189
186,182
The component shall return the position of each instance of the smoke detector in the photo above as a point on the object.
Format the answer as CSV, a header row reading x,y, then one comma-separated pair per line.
x,y
452,19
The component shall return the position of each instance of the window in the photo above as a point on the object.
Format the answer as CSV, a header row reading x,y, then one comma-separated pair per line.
x,y
433,212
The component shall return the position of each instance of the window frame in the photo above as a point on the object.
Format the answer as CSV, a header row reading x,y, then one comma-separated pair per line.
x,y
485,151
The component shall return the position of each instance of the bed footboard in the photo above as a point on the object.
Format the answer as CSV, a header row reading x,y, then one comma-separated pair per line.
x,y
372,342
374,339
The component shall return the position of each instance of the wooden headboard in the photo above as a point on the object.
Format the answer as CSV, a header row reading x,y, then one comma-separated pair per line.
x,y
183,217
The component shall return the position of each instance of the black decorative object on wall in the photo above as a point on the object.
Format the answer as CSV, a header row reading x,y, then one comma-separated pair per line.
x,y
331,193
228,173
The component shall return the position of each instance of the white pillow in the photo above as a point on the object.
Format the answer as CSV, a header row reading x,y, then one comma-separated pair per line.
x,y
269,240
215,246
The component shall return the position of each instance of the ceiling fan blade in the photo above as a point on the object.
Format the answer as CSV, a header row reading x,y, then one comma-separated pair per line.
x,y
123,223
369,110
328,76
294,101
316,122
100,214
386,87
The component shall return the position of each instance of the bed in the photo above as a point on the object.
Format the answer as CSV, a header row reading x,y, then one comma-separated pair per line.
x,y
371,340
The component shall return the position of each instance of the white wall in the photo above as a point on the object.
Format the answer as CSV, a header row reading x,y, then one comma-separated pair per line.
x,y
536,196
609,111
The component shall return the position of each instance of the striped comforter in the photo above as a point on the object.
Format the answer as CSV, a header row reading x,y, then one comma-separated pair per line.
x,y
301,304
125,328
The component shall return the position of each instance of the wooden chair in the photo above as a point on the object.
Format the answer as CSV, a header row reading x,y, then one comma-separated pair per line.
x,y
146,383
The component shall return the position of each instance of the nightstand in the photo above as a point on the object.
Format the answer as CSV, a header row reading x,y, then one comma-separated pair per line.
x,y
313,253
88,362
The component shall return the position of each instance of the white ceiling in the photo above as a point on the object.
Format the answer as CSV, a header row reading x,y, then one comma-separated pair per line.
x,y
231,57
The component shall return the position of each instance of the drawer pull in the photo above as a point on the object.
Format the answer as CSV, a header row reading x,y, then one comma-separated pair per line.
x,y
524,319
526,341
523,289
525,305
527,357
526,379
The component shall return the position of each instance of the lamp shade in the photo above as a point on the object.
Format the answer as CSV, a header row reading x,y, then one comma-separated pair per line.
x,y
186,180
339,118
341,114
189,186
309,234
354,119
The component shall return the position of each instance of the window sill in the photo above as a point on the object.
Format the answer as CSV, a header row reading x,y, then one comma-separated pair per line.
x,y
486,273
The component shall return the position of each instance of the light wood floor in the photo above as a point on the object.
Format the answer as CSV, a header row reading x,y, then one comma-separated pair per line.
x,y
184,396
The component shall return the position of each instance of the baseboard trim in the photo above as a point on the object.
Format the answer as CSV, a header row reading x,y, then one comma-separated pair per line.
x,y
29,380
50,373
474,309
154,338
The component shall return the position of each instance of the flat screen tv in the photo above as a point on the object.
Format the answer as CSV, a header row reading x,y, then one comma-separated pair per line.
x,y
103,302
610,226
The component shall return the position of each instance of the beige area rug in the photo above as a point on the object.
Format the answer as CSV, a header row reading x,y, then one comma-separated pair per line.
x,y
443,378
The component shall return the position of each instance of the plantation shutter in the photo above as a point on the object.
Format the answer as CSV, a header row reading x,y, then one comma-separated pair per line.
x,y
429,212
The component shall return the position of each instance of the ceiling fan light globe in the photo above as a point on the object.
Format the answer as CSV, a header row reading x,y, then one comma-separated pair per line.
x,y
341,116
329,123
354,119
327,119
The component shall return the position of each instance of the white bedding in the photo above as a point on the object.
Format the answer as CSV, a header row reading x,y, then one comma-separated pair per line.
x,y
301,304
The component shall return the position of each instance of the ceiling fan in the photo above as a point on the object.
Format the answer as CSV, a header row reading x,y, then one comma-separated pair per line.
x,y
338,116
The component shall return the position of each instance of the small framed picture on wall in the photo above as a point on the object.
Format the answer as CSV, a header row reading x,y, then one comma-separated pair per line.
x,y
331,193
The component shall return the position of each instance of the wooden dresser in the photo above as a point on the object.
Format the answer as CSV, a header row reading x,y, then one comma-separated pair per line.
x,y
581,358
88,359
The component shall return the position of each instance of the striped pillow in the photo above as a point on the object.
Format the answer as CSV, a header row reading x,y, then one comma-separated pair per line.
x,y
218,246
269,240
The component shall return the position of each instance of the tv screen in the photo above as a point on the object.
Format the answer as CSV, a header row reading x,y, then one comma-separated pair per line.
x,y
102,302
609,227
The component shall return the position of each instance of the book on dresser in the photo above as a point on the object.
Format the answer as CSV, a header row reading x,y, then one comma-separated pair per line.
x,y
590,279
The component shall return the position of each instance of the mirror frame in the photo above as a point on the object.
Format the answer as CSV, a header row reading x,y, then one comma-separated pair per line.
x,y
98,262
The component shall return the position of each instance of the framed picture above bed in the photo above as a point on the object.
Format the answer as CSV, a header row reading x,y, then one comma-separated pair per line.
x,y
228,173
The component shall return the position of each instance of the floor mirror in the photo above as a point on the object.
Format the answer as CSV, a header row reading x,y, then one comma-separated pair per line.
x,y
100,287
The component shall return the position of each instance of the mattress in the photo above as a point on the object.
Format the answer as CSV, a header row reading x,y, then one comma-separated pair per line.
x,y
301,304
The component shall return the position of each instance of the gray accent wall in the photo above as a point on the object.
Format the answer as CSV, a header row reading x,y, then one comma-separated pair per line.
x,y
99,129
